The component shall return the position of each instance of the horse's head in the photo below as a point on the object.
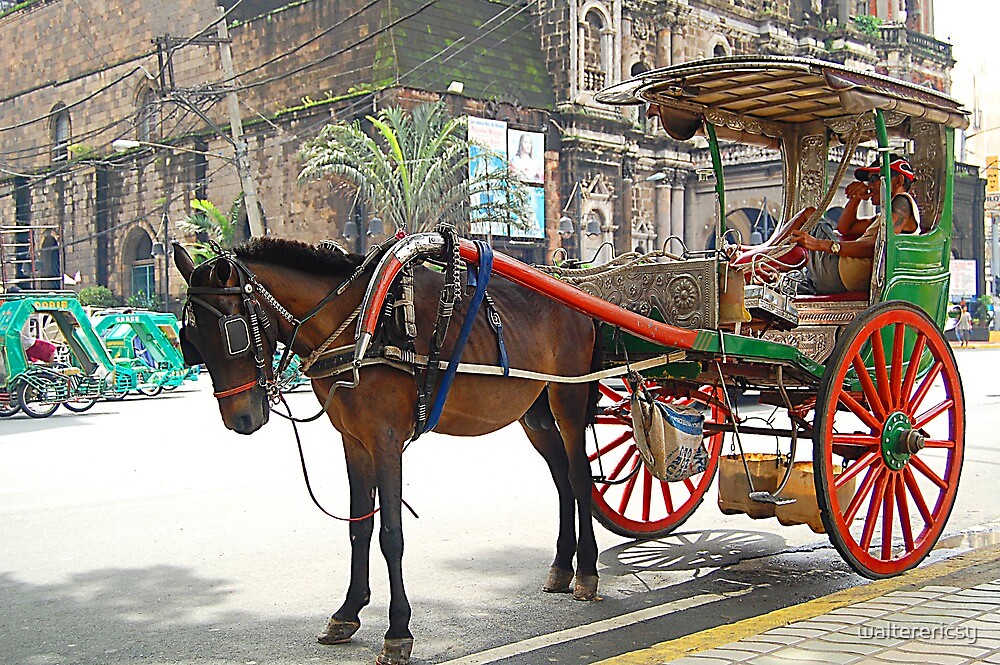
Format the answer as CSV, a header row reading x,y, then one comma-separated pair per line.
x,y
226,330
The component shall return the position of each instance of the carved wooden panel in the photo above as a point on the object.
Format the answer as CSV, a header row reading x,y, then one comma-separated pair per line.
x,y
685,293
814,341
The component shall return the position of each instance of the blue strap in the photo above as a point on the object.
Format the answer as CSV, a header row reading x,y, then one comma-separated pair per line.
x,y
482,279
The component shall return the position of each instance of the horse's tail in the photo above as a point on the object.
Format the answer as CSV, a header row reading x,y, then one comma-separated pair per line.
x,y
596,364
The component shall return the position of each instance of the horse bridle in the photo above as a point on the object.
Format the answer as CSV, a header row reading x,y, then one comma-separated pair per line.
x,y
243,333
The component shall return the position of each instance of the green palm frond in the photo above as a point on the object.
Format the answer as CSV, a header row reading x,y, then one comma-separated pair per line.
x,y
412,170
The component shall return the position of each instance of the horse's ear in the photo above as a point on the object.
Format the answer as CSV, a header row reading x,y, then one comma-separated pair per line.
x,y
222,271
183,261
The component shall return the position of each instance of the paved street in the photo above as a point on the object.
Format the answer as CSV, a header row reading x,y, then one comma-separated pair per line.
x,y
144,532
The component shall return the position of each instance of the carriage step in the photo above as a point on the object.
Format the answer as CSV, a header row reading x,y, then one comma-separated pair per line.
x,y
767,497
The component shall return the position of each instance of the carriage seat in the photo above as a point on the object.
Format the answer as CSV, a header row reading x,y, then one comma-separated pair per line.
x,y
792,258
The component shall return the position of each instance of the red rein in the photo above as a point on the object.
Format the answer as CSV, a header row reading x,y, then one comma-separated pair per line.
x,y
235,391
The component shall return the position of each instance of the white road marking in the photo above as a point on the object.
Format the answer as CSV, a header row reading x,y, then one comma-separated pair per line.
x,y
578,632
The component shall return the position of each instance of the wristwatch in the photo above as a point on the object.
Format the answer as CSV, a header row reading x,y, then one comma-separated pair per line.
x,y
835,247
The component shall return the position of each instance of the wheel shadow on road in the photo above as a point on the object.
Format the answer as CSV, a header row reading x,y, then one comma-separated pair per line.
x,y
690,550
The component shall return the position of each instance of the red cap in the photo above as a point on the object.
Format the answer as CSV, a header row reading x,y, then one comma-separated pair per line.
x,y
896,165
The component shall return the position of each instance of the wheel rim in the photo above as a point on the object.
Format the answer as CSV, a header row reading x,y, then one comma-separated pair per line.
x,y
31,405
642,505
903,427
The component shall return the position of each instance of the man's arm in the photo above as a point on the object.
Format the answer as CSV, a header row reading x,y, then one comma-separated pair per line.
x,y
862,248
849,222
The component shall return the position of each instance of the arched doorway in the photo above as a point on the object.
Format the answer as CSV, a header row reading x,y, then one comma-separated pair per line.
x,y
140,266
50,268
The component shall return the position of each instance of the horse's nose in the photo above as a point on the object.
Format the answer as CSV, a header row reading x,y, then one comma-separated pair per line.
x,y
245,425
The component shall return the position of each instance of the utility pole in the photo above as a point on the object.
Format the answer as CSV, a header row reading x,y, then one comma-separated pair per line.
x,y
236,125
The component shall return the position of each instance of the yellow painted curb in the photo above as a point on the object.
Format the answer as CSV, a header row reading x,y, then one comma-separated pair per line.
x,y
713,637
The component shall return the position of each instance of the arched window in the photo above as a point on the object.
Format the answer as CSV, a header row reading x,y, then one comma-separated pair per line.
x,y
640,111
719,51
61,133
598,47
148,120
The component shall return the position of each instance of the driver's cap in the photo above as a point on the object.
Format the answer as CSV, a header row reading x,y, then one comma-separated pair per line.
x,y
896,165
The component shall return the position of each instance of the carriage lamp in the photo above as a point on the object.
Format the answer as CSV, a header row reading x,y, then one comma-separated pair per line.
x,y
593,224
158,250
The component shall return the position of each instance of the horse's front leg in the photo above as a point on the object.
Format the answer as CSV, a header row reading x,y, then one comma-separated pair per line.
x,y
398,640
361,477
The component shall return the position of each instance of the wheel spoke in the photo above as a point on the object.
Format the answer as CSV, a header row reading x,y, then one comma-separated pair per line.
x,y
689,484
878,357
887,503
647,493
939,443
873,510
917,495
913,368
859,496
932,413
864,440
925,387
904,515
629,488
868,388
667,499
922,467
630,454
852,471
861,412
896,371
625,436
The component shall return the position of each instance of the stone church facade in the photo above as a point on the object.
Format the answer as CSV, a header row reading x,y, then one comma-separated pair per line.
x,y
150,72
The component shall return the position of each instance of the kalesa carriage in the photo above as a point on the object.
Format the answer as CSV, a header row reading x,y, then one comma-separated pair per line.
x,y
867,377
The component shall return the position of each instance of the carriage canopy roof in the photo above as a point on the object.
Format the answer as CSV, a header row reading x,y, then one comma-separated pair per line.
x,y
780,90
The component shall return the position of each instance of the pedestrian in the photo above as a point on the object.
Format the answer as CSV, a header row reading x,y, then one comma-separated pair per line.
x,y
964,328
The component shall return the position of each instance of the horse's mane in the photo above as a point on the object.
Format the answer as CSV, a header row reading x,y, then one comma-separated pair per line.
x,y
297,254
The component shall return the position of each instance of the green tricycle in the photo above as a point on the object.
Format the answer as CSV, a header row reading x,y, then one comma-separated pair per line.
x,y
148,343
36,376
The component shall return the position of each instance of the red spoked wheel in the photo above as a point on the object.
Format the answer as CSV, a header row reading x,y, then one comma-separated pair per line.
x,y
627,499
891,407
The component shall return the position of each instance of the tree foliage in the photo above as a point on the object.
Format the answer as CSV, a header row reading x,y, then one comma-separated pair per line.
x,y
212,223
412,170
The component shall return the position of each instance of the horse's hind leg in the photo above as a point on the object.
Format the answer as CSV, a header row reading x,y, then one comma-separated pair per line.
x,y
361,477
568,403
548,443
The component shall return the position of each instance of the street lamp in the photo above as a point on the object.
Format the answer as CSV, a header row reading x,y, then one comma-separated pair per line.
x,y
121,145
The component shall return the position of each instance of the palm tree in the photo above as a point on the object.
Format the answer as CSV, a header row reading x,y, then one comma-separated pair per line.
x,y
209,222
413,170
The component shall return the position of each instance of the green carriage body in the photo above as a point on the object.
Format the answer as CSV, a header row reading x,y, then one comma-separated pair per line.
x,y
158,334
89,372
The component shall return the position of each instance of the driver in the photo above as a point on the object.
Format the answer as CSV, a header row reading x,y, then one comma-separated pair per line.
x,y
837,265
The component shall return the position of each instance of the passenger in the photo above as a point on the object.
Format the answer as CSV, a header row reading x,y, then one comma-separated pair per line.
x,y
836,265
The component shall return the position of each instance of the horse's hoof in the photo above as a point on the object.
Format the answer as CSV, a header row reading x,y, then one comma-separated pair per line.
x,y
395,651
586,588
338,632
558,581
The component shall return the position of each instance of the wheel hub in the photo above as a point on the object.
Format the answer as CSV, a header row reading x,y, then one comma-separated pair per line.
x,y
899,440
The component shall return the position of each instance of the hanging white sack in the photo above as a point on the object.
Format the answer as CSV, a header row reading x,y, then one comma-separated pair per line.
x,y
669,437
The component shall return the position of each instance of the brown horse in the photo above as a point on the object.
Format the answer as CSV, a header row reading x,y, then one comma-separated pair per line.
x,y
229,294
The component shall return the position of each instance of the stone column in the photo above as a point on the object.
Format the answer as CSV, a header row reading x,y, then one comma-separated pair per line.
x,y
677,205
662,205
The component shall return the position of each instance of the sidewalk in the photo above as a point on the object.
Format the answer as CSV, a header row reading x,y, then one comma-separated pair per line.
x,y
946,613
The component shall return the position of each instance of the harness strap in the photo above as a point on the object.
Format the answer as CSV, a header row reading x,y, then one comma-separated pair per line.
x,y
340,360
483,278
493,316
450,295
